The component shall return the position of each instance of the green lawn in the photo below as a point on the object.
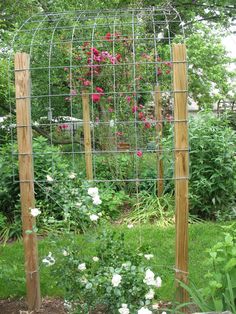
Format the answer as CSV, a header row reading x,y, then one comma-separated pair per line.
x,y
202,236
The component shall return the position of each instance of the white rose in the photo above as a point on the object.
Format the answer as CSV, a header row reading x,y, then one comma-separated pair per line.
x,y
94,217
95,259
124,309
49,260
65,253
116,279
112,123
144,310
97,200
93,192
130,226
149,278
158,282
49,178
148,256
82,267
72,175
35,212
150,295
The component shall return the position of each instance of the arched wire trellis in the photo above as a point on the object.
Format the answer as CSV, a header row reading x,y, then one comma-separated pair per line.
x,y
104,84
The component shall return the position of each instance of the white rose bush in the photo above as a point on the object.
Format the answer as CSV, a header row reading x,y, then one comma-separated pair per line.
x,y
116,277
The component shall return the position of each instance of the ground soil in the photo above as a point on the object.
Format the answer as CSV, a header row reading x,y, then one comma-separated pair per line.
x,y
19,306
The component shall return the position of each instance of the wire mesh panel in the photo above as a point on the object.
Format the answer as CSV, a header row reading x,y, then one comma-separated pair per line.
x,y
108,104
117,58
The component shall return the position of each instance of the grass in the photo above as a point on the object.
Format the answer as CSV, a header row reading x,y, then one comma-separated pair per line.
x,y
161,240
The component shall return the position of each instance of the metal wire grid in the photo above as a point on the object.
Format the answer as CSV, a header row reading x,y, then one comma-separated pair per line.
x,y
84,26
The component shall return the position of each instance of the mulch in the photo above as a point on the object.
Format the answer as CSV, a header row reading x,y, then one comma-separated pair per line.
x,y
19,306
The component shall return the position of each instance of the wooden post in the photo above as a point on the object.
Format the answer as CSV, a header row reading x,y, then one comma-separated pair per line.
x,y
87,136
158,117
26,176
181,168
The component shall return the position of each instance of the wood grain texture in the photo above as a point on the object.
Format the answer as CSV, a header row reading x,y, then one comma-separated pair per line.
x,y
26,176
87,136
181,167
158,117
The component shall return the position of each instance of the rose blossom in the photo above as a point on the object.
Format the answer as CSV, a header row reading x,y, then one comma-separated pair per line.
x,y
139,153
96,97
82,267
116,279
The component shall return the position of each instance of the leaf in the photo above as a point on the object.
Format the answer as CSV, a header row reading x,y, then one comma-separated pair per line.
x,y
231,264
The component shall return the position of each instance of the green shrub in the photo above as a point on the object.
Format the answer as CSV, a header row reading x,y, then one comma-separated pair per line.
x,y
116,277
220,293
212,166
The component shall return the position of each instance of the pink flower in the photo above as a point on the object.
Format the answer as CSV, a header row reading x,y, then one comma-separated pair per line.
x,y
66,69
139,153
141,106
73,92
96,97
128,99
167,71
86,83
119,133
110,109
113,60
64,126
99,90
134,109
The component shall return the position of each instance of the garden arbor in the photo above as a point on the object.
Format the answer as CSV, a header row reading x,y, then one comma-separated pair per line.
x,y
120,73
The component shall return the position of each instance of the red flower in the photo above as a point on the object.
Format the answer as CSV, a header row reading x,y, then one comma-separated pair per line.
x,y
141,115
167,71
95,51
134,109
99,90
108,36
118,57
96,97
147,125
139,153
159,72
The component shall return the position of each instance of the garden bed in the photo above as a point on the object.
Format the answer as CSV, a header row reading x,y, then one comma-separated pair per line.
x,y
16,306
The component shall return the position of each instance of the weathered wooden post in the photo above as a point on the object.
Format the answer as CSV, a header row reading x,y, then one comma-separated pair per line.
x,y
26,176
181,168
87,136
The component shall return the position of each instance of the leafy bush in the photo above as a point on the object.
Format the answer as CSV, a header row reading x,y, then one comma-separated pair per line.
x,y
220,293
212,166
116,277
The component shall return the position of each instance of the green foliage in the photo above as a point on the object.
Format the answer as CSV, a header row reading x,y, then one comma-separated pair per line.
x,y
114,202
150,208
212,166
219,294
116,275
